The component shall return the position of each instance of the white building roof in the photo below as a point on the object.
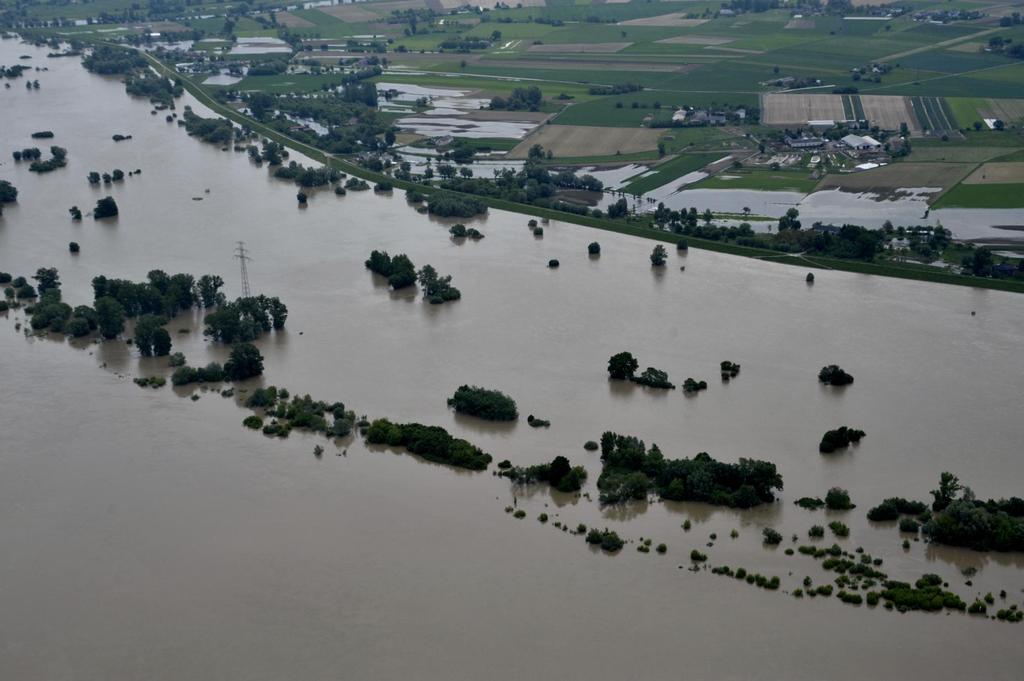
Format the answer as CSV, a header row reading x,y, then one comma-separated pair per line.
x,y
858,142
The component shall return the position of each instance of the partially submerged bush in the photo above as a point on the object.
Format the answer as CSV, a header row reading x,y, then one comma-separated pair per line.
x,y
838,499
839,529
607,539
893,507
691,386
559,474
729,370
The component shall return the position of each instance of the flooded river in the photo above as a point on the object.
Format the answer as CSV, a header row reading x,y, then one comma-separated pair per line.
x,y
150,536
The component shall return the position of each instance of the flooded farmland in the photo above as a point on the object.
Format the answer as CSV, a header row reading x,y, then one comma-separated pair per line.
x,y
151,536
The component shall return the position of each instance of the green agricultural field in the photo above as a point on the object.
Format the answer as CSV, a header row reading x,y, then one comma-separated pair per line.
x,y
670,170
492,143
965,109
982,196
957,153
696,139
1016,155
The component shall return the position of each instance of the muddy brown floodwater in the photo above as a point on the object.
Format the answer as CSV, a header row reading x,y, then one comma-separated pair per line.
x,y
149,536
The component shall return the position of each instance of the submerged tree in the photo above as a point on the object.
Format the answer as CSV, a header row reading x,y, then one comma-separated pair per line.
x,y
109,317
208,290
622,366
658,256
47,279
146,329
437,289
105,208
245,362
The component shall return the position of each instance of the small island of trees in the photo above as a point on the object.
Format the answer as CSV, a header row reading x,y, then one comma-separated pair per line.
x,y
105,208
433,443
893,507
245,319
58,159
492,405
244,362
303,413
653,378
445,204
834,375
960,519
691,385
399,270
460,231
8,192
437,289
840,438
154,302
729,370
630,471
560,474
838,499
608,540
623,366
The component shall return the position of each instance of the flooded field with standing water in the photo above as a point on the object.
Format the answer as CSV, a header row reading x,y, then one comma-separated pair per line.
x,y
151,536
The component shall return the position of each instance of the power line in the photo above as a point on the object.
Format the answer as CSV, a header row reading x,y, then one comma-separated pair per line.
x,y
243,256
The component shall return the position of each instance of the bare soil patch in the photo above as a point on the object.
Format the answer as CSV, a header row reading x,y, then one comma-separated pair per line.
x,y
800,24
1006,110
887,112
779,109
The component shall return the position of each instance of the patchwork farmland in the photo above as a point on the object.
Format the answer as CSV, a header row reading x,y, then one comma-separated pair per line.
x,y
885,111
654,83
